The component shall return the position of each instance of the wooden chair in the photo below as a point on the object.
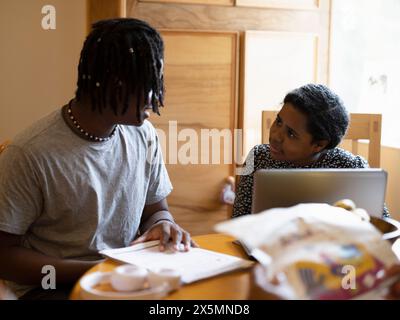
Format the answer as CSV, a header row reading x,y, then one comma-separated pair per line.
x,y
362,126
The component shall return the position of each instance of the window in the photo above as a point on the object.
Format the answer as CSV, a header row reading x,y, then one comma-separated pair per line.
x,y
365,60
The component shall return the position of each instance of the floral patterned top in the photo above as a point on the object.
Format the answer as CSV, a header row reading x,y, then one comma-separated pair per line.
x,y
334,158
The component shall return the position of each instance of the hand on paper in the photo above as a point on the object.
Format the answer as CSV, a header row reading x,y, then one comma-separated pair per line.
x,y
169,234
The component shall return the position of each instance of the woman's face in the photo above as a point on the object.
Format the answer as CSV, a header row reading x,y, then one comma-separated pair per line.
x,y
290,140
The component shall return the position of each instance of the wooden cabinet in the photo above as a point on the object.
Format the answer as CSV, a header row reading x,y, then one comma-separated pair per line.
x,y
282,44
200,78
287,4
205,2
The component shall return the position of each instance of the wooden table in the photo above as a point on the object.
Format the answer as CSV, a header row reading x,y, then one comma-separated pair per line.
x,y
231,286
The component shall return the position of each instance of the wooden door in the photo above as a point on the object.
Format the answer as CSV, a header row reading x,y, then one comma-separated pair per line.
x,y
200,79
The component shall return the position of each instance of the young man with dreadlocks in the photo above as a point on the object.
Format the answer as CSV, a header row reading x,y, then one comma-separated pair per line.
x,y
89,176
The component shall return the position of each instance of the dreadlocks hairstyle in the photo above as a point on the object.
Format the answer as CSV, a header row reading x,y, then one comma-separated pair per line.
x,y
122,58
326,114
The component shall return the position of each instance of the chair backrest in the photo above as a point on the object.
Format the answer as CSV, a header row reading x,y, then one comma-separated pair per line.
x,y
362,126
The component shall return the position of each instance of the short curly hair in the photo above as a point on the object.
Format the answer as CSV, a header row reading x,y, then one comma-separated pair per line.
x,y
327,116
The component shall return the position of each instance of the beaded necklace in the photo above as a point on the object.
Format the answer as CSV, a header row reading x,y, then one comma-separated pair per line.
x,y
84,132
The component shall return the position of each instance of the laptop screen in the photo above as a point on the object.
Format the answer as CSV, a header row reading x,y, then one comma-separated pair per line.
x,y
275,188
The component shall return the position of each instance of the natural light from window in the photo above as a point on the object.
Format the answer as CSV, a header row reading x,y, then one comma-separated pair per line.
x,y
365,60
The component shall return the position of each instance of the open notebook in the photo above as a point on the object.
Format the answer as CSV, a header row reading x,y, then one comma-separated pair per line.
x,y
196,264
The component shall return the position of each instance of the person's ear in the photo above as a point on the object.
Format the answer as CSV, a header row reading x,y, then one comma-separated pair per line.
x,y
320,145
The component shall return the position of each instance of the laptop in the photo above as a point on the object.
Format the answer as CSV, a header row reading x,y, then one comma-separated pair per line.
x,y
275,188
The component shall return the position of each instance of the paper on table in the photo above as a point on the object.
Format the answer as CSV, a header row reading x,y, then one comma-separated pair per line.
x,y
193,265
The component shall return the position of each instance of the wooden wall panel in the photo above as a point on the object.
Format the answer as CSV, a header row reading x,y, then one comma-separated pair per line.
x,y
200,78
228,18
287,4
199,17
205,2
104,9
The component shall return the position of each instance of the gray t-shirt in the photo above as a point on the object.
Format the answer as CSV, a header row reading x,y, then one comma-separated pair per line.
x,y
70,197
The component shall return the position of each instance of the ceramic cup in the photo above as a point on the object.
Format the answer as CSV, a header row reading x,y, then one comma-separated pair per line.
x,y
159,276
128,278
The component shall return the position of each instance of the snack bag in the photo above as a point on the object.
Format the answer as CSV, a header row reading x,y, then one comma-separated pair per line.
x,y
323,252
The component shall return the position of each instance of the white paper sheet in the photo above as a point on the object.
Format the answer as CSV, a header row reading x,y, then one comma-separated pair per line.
x,y
193,265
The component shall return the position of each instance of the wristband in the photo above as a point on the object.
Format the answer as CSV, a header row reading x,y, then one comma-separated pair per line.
x,y
154,218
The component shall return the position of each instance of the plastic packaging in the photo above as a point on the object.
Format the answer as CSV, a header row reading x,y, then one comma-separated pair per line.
x,y
317,250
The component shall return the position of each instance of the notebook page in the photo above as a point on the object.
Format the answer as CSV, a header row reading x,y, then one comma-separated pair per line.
x,y
193,265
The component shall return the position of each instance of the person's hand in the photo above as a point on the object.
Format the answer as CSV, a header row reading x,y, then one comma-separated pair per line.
x,y
169,234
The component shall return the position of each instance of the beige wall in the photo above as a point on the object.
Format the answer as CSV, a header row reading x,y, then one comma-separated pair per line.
x,y
37,67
